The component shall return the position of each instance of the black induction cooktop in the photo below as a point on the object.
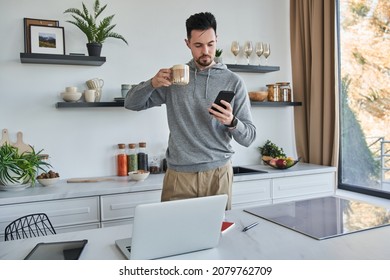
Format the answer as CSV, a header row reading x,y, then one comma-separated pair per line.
x,y
325,217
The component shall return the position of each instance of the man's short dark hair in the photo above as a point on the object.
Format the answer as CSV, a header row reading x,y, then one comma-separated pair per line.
x,y
201,21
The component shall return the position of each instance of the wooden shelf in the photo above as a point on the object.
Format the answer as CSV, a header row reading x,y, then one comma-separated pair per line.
x,y
252,68
274,104
41,58
89,104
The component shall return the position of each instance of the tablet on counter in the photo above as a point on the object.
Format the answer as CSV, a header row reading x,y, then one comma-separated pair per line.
x,y
63,250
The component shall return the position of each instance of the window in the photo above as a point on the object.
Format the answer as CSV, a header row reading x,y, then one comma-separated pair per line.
x,y
364,86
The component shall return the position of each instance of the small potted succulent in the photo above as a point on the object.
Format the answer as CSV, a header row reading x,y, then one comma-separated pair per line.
x,y
19,169
96,32
218,55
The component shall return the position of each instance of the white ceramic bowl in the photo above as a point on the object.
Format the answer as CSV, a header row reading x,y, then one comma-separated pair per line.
x,y
48,182
139,175
71,96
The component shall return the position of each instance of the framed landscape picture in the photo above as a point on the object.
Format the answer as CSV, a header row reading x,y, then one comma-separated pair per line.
x,y
48,40
33,21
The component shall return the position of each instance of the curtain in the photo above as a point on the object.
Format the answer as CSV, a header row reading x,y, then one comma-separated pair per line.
x,y
312,30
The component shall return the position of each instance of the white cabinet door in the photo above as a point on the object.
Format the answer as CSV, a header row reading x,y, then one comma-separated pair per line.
x,y
251,193
62,212
303,186
121,206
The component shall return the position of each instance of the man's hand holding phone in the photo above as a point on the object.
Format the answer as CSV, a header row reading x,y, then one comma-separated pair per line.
x,y
221,108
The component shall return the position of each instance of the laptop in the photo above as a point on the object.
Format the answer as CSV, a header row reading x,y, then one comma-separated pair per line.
x,y
174,227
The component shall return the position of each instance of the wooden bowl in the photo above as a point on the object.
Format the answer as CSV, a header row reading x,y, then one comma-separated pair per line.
x,y
258,96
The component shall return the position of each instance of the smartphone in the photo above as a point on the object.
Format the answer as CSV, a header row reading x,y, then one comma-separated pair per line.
x,y
223,95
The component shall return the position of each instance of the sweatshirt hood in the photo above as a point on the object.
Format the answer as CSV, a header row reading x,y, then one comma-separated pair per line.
x,y
206,72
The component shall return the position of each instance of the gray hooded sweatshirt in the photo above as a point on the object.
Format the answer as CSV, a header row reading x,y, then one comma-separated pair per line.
x,y
197,141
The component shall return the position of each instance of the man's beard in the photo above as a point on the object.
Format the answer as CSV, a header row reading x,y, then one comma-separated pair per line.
x,y
201,61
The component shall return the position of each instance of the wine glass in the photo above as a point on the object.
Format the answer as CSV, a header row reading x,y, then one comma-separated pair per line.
x,y
235,48
267,51
259,50
248,48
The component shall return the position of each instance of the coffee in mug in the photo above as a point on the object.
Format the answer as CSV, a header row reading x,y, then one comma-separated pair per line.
x,y
180,74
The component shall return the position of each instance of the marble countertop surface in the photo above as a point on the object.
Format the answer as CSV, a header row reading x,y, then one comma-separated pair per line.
x,y
117,185
267,241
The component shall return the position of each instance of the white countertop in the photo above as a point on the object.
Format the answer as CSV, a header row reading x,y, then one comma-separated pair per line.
x,y
266,241
63,189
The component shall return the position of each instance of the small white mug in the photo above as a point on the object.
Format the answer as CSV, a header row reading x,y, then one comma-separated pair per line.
x,y
95,83
90,95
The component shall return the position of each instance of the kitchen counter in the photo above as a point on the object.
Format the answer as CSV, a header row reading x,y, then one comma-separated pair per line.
x,y
118,185
266,241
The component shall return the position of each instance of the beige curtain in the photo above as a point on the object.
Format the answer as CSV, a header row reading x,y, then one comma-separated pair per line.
x,y
312,27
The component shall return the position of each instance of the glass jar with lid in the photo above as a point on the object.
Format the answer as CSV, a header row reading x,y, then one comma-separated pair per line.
x,y
285,92
273,92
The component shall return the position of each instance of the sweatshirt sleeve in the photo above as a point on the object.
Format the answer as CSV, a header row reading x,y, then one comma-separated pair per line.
x,y
144,96
245,131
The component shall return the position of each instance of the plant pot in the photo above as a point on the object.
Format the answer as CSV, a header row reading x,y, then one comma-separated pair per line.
x,y
6,182
94,49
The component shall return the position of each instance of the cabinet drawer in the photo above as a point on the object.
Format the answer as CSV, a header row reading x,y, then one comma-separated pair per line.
x,y
304,186
63,212
121,206
251,193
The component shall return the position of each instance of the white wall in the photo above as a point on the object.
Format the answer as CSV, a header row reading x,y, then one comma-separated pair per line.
x,y
82,142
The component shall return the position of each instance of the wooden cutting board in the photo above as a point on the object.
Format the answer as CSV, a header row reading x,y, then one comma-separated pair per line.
x,y
4,137
22,147
89,180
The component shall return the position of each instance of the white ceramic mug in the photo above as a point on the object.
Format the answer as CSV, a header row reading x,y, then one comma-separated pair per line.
x,y
95,83
90,95
180,74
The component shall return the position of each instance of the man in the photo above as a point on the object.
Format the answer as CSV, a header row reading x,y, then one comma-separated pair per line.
x,y
199,151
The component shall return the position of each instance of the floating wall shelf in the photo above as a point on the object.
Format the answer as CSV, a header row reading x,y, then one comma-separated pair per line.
x,y
252,68
41,58
89,104
121,104
274,104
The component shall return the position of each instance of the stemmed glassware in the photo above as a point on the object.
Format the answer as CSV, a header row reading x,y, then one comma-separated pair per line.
x,y
248,49
267,51
259,49
235,48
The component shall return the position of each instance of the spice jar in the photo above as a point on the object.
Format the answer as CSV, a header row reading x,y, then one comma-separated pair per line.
x,y
142,157
121,159
285,92
273,92
132,161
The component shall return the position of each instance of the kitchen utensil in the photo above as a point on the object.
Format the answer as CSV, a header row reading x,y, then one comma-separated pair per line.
x,y
22,147
89,180
4,137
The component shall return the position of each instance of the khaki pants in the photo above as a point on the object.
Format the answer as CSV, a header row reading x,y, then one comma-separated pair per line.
x,y
181,185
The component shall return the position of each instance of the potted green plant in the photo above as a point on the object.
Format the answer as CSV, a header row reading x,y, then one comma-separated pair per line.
x,y
96,32
218,55
19,169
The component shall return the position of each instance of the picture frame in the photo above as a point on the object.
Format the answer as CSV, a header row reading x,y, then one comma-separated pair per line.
x,y
47,39
33,21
